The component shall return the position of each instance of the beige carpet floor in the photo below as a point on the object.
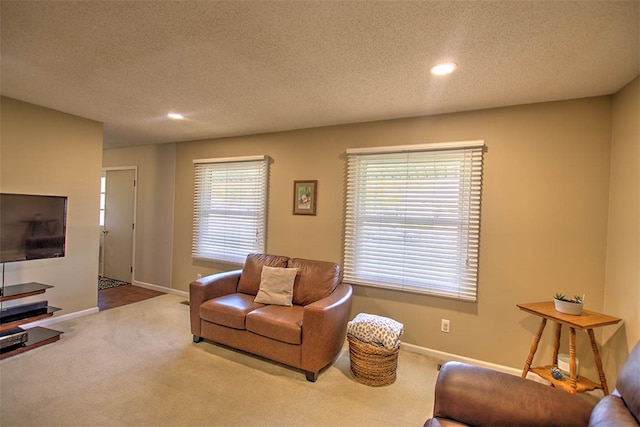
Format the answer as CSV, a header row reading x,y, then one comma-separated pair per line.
x,y
137,366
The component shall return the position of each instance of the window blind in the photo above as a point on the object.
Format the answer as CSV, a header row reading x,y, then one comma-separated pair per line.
x,y
230,199
413,218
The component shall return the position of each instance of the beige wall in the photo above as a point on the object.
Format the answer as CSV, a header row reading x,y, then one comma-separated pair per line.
x,y
543,230
622,290
44,151
154,213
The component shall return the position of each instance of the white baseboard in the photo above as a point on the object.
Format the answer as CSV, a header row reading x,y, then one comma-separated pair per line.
x,y
161,288
447,357
63,318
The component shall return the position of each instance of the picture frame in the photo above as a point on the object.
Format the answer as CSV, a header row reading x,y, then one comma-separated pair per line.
x,y
305,197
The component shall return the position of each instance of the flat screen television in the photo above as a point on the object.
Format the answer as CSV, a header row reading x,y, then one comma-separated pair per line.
x,y
32,227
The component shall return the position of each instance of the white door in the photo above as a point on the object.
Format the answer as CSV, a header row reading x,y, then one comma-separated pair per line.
x,y
119,224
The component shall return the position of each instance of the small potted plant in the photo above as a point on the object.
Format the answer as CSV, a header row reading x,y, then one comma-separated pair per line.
x,y
568,305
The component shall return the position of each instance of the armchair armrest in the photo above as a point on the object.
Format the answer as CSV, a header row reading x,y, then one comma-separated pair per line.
x,y
324,328
207,288
478,396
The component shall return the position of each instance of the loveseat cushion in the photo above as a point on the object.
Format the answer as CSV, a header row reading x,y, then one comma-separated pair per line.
x,y
252,271
315,280
277,322
229,310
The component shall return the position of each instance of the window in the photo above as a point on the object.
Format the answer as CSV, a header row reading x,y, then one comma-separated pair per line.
x,y
103,191
229,218
413,218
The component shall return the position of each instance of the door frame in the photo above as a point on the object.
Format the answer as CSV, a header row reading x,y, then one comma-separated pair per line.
x,y
135,213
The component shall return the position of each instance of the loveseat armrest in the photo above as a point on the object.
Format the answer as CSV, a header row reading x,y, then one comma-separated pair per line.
x,y
478,396
324,328
207,288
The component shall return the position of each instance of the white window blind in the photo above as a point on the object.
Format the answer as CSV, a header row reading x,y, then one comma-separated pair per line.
x,y
230,199
413,218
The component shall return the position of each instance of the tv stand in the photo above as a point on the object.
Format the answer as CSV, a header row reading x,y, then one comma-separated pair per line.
x,y
13,317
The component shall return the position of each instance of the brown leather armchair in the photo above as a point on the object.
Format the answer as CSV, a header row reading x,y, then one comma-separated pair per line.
x,y
470,395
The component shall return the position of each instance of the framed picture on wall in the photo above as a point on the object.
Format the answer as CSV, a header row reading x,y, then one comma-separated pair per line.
x,y
305,197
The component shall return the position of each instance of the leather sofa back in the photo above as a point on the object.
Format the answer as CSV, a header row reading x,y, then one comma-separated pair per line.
x,y
315,280
252,271
622,407
628,382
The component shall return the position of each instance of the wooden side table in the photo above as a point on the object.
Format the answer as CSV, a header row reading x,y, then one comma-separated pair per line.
x,y
586,321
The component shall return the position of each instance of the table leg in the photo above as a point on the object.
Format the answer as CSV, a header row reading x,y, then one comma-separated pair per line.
x,y
534,347
572,360
596,356
556,344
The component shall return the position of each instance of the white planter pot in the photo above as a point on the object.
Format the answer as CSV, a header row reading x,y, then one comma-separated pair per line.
x,y
568,307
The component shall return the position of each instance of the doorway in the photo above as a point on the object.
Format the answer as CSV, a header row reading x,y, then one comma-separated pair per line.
x,y
117,223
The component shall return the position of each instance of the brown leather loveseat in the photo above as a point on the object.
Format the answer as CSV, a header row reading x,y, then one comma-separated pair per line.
x,y
470,395
303,326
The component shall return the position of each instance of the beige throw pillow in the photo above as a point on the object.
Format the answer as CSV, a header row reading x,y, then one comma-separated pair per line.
x,y
276,285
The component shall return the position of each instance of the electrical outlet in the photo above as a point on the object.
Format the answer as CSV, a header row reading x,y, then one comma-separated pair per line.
x,y
198,276
444,325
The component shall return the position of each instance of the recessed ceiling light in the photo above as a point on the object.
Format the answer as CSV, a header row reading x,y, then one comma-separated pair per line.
x,y
444,68
175,116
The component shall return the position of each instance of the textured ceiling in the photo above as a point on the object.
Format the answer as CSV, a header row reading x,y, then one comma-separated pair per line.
x,y
244,67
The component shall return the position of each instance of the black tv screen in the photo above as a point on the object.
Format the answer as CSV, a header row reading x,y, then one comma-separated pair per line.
x,y
32,227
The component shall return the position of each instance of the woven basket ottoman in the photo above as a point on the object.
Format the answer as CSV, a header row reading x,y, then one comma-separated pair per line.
x,y
372,365
374,344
